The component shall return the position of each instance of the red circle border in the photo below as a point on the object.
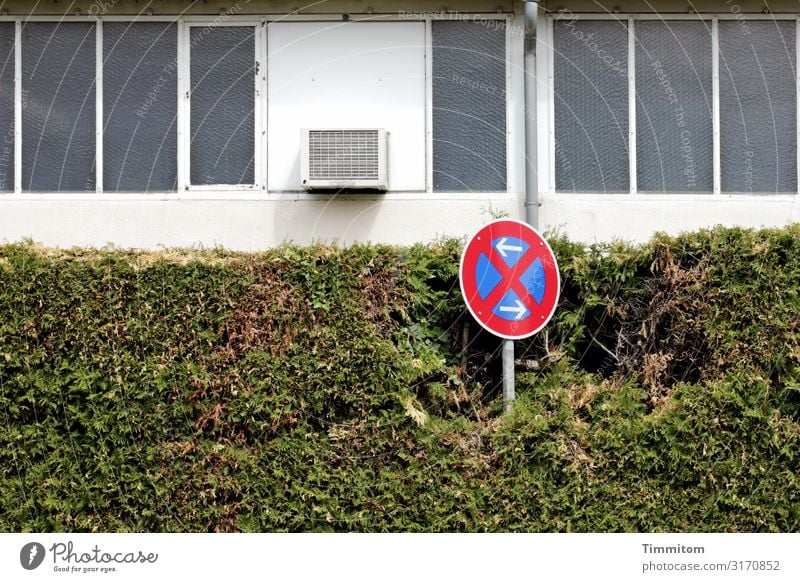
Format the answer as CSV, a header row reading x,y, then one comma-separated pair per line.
x,y
541,313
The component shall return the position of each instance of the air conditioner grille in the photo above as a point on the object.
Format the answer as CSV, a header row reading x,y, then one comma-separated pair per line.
x,y
343,154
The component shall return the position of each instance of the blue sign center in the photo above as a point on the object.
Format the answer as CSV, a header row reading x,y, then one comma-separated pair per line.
x,y
510,249
488,277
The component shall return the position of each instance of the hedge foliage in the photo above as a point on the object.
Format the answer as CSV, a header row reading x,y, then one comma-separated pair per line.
x,y
330,389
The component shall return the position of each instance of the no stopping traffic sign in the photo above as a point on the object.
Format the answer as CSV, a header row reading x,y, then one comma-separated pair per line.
x,y
509,279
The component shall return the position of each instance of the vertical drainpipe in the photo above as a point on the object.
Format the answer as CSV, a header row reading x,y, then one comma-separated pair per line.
x,y
531,172
531,177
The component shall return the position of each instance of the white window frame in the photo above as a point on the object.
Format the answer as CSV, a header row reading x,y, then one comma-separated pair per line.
x,y
428,19
185,100
18,22
259,190
546,45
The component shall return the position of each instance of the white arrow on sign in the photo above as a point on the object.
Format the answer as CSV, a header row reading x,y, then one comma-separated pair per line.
x,y
502,247
520,309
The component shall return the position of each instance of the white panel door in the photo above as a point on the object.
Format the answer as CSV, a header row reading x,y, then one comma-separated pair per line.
x,y
347,75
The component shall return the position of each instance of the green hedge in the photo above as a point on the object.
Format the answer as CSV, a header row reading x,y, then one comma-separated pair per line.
x,y
330,389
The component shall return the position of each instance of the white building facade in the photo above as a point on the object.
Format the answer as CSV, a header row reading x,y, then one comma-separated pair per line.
x,y
179,123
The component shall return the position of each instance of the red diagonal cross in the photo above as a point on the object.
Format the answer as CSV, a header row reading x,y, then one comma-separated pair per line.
x,y
509,274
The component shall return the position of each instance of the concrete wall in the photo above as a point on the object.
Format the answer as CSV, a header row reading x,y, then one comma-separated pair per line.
x,y
599,217
256,220
248,224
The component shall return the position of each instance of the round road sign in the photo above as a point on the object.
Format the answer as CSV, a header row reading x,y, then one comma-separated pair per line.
x,y
509,279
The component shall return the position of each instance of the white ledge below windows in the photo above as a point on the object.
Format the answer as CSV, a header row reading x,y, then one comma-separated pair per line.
x,y
152,222
636,217
230,220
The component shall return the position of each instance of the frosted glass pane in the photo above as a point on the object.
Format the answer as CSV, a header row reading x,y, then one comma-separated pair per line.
x,y
469,106
58,107
674,103
6,106
591,105
758,106
223,105
140,92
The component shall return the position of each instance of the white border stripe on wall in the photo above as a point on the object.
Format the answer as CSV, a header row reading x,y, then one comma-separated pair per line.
x,y
715,105
518,109
797,91
543,91
18,107
260,115
182,106
551,113
632,105
98,93
262,103
509,114
429,104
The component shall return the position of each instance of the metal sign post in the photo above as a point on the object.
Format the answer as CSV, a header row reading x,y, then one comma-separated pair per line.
x,y
508,375
510,282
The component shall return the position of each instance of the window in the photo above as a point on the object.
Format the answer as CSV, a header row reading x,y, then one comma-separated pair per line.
x,y
591,105
134,119
7,59
58,107
222,70
140,95
674,107
694,133
170,104
758,106
469,106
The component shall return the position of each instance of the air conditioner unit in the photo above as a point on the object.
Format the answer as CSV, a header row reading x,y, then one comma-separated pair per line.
x,y
344,159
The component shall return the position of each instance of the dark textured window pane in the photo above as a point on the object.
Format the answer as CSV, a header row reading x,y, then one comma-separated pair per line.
x,y
140,92
58,107
6,106
758,106
223,105
674,104
469,106
591,105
